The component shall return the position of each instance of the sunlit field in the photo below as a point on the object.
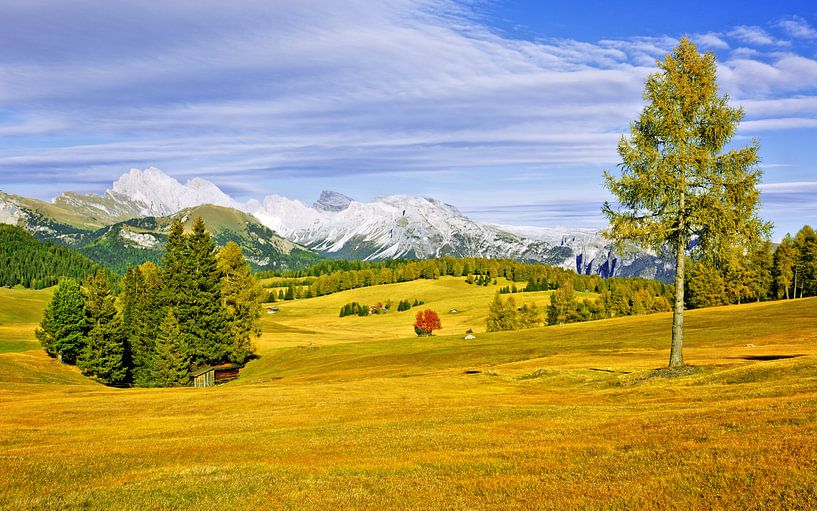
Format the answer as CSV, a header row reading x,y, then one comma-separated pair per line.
x,y
358,413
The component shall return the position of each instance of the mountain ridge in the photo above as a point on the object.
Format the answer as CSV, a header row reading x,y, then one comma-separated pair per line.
x,y
338,226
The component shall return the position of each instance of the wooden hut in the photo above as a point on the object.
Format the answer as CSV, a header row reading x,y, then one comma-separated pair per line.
x,y
209,376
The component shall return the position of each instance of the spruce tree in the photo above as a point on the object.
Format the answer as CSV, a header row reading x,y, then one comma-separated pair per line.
x,y
63,330
103,356
141,314
171,362
241,298
192,288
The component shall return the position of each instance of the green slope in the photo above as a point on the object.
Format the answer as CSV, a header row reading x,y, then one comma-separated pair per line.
x,y
30,263
134,241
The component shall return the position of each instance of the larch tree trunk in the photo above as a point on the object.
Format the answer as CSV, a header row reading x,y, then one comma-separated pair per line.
x,y
676,355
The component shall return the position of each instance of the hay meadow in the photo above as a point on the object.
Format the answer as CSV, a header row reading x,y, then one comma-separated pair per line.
x,y
358,413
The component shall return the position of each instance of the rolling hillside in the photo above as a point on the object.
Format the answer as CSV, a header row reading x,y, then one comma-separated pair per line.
x,y
359,413
137,240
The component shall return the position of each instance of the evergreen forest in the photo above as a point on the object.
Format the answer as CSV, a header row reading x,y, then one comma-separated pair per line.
x,y
201,307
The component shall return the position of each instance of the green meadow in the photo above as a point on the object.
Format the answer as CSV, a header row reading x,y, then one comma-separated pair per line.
x,y
359,413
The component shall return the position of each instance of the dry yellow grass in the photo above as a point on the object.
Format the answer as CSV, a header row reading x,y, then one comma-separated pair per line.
x,y
368,417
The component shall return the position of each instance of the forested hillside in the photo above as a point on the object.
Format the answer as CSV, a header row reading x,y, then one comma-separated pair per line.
x,y
33,264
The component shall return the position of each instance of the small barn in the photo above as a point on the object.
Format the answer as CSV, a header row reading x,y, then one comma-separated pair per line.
x,y
209,376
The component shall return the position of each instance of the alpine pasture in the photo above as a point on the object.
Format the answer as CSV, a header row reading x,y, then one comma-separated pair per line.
x,y
359,413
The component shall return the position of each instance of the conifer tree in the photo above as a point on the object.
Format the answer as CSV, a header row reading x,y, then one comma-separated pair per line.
x,y
675,184
562,304
103,356
63,329
192,287
705,286
530,316
241,297
171,362
502,316
141,315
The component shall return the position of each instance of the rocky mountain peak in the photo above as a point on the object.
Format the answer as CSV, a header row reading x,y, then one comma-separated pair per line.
x,y
332,201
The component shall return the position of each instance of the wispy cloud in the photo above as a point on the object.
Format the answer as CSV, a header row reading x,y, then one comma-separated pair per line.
x,y
755,35
798,27
263,91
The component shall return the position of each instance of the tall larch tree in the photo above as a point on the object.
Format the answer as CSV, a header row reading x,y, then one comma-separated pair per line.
x,y
103,356
241,297
675,183
64,328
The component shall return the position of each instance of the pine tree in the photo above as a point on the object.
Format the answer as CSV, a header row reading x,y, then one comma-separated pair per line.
x,y
241,297
171,362
63,330
103,356
675,182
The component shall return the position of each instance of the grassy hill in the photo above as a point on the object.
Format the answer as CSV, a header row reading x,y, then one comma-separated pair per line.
x,y
357,413
134,241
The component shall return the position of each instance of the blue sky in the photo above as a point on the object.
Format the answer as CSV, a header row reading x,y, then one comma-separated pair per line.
x,y
509,110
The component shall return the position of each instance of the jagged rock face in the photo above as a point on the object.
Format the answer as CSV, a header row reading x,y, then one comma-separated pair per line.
x,y
332,201
395,226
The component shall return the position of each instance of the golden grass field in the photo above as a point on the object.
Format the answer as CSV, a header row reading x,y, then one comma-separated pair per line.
x,y
357,413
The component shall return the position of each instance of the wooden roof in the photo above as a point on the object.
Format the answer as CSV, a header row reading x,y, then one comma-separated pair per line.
x,y
221,367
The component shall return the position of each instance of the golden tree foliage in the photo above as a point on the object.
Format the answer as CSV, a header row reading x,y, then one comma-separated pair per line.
x,y
676,183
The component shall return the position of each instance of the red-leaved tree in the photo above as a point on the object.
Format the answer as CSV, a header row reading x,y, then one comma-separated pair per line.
x,y
426,322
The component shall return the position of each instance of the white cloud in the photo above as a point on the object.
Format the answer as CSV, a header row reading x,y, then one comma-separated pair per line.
x,y
711,40
787,123
797,187
755,35
269,89
798,27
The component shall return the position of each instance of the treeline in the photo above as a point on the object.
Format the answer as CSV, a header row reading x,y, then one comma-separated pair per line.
x,y
763,272
27,262
202,307
621,297
357,309
334,276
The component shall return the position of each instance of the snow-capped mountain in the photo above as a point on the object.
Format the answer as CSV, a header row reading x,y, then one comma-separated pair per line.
x,y
394,226
148,192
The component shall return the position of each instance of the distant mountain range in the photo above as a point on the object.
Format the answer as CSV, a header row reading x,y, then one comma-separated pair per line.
x,y
130,220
